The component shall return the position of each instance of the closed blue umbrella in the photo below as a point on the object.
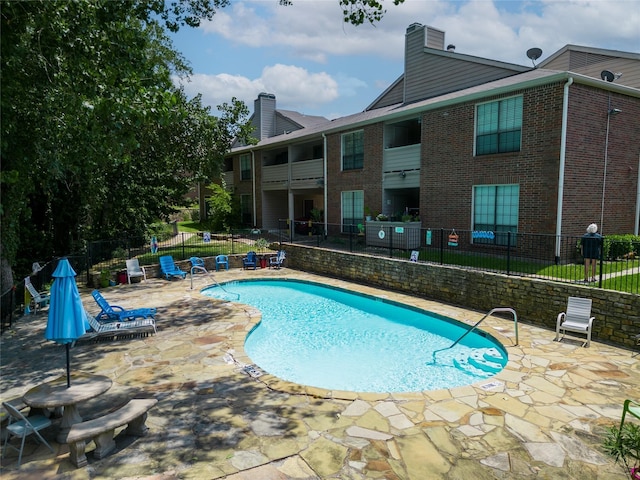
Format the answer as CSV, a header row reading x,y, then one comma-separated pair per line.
x,y
67,319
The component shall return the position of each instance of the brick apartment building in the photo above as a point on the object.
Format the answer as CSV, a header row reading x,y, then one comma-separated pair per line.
x,y
461,142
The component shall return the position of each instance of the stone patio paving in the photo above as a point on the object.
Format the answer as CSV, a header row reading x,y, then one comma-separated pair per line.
x,y
543,416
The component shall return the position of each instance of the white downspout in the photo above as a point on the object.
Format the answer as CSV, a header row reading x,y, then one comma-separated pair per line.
x,y
253,188
563,151
637,224
291,208
324,172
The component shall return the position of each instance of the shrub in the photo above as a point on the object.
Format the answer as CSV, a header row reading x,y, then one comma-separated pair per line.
x,y
624,446
617,246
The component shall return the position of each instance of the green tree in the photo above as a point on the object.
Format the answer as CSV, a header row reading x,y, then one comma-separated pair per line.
x,y
95,138
357,12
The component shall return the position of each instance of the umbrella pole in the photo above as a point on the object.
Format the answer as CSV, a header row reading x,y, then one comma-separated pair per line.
x,y
68,368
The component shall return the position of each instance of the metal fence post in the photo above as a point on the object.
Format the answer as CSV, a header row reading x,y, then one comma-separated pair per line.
x,y
442,246
601,240
351,238
509,253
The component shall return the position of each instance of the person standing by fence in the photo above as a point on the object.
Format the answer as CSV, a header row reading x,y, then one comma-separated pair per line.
x,y
591,249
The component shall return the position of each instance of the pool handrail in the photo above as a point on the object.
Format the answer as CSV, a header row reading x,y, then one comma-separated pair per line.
x,y
493,310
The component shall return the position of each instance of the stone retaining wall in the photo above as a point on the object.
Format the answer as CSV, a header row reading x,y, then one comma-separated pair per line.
x,y
536,301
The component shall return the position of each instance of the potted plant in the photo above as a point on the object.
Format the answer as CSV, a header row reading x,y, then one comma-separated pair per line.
x,y
261,245
367,214
105,276
624,446
381,217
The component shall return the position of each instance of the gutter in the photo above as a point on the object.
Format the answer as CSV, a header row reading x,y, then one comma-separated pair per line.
x,y
326,188
253,187
472,94
563,152
637,225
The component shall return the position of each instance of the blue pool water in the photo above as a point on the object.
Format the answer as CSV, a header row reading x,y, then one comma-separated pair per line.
x,y
334,339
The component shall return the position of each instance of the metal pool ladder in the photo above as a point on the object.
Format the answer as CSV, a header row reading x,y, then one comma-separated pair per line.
x,y
494,310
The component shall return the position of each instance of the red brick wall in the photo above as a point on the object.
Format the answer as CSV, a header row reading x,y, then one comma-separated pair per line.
x,y
450,170
369,178
586,140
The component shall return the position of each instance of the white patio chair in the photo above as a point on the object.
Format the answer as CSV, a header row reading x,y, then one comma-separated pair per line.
x,y
21,427
576,319
135,270
38,299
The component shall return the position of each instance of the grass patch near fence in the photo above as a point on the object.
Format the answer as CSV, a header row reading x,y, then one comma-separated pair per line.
x,y
548,270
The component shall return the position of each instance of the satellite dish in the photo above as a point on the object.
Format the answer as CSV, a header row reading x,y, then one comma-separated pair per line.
x,y
534,54
607,75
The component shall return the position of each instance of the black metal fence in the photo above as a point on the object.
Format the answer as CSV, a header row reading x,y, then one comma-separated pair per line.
x,y
522,254
541,256
7,308
111,255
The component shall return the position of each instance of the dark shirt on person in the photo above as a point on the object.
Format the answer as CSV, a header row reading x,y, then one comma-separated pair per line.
x,y
591,245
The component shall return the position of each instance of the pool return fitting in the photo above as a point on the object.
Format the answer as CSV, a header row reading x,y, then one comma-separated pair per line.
x,y
494,310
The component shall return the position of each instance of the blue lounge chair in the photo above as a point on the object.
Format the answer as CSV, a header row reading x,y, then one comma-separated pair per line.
x,y
250,261
222,261
277,260
169,268
111,313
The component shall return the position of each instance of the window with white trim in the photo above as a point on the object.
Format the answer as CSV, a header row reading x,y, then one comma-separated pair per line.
x,y
352,210
499,126
495,209
353,150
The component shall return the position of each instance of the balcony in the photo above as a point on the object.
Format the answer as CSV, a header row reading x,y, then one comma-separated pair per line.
x,y
305,174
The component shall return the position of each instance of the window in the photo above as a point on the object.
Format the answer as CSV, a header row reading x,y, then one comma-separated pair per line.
x,y
245,167
245,210
495,209
499,126
353,150
352,210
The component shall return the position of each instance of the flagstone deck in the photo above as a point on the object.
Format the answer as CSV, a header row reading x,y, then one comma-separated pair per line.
x,y
543,416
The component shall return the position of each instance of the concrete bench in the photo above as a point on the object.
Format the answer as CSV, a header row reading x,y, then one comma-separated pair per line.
x,y
101,430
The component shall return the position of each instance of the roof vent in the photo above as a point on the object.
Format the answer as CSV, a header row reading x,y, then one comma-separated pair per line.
x,y
451,47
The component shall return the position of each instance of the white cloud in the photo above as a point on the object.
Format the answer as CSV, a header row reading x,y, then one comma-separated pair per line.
x,y
502,30
294,87
310,59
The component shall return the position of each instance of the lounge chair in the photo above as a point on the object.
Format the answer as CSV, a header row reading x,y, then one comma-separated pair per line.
x,y
169,268
111,313
277,260
576,319
250,261
21,427
135,270
116,328
222,261
38,299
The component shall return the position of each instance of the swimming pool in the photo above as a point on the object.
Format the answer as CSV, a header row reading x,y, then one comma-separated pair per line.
x,y
338,340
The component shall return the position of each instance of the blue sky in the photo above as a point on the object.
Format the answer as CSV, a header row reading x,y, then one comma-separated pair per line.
x,y
317,65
